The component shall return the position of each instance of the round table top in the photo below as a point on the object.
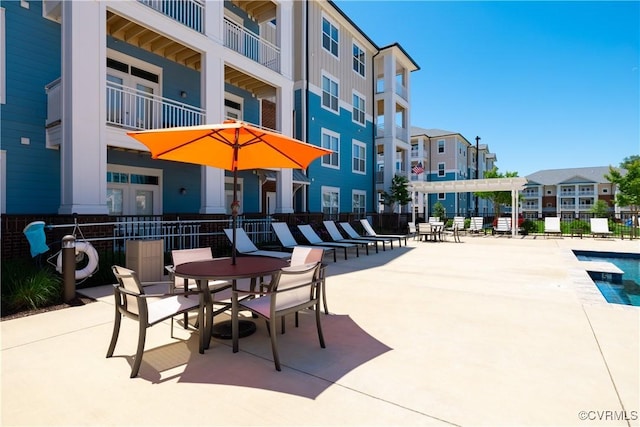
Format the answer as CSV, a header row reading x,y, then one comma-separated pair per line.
x,y
221,268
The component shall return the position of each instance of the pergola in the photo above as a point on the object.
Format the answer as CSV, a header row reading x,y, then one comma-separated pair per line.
x,y
514,185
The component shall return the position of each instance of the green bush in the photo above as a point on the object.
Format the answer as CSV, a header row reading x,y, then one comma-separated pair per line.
x,y
26,286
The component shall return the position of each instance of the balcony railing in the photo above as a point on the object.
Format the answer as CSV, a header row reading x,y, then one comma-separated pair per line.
x,y
402,134
189,13
380,131
250,45
54,102
401,91
131,108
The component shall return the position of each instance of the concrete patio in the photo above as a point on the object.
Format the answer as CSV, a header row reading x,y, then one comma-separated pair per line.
x,y
492,331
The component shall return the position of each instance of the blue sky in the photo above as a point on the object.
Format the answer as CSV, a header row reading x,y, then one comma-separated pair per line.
x,y
546,85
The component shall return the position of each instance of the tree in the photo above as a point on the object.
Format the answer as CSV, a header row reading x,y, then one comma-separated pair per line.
x,y
439,211
497,198
600,209
399,194
628,185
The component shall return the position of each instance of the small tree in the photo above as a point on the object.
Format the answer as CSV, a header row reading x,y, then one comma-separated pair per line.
x,y
600,209
399,194
497,198
628,185
439,211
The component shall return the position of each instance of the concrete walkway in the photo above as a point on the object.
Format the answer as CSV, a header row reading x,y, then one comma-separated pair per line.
x,y
493,331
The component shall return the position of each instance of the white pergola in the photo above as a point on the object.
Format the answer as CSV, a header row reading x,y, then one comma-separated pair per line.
x,y
514,185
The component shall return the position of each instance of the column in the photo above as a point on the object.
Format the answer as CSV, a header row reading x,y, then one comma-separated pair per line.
x,y
83,151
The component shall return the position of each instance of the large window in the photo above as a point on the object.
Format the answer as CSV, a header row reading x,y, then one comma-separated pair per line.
x,y
331,140
359,157
330,37
359,202
358,60
358,108
329,93
330,200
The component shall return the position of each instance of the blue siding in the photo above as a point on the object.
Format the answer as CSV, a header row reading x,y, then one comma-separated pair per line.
x,y
32,61
343,178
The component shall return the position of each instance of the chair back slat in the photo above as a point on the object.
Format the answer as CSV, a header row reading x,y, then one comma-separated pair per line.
x,y
128,279
293,286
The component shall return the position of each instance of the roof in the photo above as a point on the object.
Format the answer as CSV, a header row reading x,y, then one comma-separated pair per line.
x,y
431,132
557,176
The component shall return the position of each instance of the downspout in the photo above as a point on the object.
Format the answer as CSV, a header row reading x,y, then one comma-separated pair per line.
x,y
374,163
305,109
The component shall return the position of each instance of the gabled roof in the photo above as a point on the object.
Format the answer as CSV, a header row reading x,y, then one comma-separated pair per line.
x,y
415,131
557,176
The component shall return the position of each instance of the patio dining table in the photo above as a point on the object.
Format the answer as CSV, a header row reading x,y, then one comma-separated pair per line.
x,y
222,269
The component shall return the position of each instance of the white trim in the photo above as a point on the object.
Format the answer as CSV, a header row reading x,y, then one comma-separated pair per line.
x,y
337,82
355,142
3,70
336,135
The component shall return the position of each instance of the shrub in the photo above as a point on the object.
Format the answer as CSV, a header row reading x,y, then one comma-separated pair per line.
x,y
26,286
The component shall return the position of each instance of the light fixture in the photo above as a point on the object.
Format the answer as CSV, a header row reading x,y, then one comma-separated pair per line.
x,y
182,191
183,94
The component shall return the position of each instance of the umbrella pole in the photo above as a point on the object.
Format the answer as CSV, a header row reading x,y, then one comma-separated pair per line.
x,y
234,216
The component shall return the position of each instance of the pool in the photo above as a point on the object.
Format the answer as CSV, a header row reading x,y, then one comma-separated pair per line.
x,y
616,289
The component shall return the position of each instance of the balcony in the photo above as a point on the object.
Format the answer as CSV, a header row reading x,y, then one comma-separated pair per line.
x,y
251,46
402,134
133,109
189,13
401,91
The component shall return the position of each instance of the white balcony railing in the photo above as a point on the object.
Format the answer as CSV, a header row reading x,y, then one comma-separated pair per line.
x,y
402,134
54,102
401,91
250,45
131,108
189,13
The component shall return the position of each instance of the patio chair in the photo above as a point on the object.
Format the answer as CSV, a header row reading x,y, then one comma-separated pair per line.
x,y
315,240
245,246
413,231
600,227
371,232
453,231
287,241
291,289
147,309
503,226
337,237
305,255
353,234
552,226
425,232
458,221
476,225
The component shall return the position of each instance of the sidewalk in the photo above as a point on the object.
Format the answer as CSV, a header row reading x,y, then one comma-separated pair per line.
x,y
492,331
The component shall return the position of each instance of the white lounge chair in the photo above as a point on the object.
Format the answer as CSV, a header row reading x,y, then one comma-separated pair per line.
x,y
476,225
313,239
353,234
600,227
337,237
371,232
503,225
245,246
286,239
552,226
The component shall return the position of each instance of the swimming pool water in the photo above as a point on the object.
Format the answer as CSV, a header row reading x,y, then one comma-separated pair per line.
x,y
627,292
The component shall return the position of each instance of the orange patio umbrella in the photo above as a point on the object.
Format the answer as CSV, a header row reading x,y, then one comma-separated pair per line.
x,y
233,146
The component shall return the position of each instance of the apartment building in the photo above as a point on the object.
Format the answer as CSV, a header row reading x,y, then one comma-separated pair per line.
x,y
76,76
567,193
448,156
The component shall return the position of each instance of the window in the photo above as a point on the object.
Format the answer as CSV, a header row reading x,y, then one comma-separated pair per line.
x,y
330,200
359,202
440,169
329,93
441,196
330,37
441,146
358,60
358,109
133,190
331,140
359,157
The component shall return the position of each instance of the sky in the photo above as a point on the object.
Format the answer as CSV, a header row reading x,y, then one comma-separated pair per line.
x,y
546,85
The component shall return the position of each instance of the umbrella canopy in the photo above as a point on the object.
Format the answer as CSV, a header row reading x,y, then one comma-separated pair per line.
x,y
233,146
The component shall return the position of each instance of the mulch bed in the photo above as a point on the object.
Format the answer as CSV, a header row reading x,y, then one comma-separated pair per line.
x,y
77,301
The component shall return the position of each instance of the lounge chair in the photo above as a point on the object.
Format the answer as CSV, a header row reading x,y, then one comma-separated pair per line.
x,y
453,231
552,226
476,225
315,240
371,232
503,226
353,234
337,237
413,231
286,239
458,221
600,227
245,246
